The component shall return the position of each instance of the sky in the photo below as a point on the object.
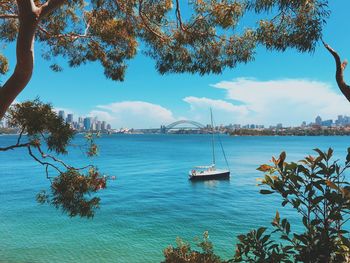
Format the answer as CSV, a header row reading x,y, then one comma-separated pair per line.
x,y
275,88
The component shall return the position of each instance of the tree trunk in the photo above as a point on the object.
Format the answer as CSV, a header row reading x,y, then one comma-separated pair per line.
x,y
28,21
29,15
339,75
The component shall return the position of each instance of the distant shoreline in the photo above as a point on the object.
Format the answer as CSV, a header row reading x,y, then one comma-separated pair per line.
x,y
298,131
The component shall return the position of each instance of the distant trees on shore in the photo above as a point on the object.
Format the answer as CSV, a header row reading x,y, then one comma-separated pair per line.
x,y
291,132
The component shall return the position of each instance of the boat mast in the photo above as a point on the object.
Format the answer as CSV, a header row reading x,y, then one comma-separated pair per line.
x,y
212,135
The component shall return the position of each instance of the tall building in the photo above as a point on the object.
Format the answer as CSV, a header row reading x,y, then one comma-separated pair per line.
x,y
87,123
70,118
109,127
318,120
98,126
61,114
103,125
327,123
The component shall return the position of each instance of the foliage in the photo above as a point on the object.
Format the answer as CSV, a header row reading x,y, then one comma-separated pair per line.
x,y
316,188
315,131
37,120
183,253
45,136
70,190
205,38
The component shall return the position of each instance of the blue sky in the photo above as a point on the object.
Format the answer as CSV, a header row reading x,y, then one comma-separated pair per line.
x,y
277,87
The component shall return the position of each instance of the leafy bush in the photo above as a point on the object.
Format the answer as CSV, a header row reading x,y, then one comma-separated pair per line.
x,y
183,253
316,188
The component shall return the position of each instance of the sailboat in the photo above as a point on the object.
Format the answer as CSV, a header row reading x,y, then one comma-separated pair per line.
x,y
210,172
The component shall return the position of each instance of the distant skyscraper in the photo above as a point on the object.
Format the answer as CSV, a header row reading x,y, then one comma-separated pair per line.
x,y
327,123
87,123
318,120
109,127
70,118
98,126
62,115
103,125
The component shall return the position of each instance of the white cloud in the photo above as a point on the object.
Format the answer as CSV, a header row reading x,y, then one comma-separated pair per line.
x,y
102,115
134,114
288,101
224,111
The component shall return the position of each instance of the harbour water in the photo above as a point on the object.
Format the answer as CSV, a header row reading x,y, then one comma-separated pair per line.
x,y
151,202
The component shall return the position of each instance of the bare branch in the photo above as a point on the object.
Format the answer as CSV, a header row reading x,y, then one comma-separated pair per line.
x,y
70,36
8,16
340,67
41,162
68,167
12,147
20,136
178,15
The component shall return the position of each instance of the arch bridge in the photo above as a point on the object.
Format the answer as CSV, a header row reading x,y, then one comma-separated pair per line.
x,y
193,124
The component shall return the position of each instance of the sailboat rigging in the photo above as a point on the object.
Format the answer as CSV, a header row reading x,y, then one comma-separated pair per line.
x,y
210,172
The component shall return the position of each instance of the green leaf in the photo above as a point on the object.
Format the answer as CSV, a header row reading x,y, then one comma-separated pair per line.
x,y
332,185
264,168
305,221
266,192
287,228
321,154
281,160
348,156
260,231
329,153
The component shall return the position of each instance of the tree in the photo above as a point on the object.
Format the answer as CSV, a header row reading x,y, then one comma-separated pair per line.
x,y
316,188
204,39
48,136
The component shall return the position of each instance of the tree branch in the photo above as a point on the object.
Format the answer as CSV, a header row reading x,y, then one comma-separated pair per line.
x,y
50,6
43,163
178,15
340,67
8,16
145,22
68,167
70,36
12,147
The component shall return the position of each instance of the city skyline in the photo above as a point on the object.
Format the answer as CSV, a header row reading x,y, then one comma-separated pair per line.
x,y
340,120
84,123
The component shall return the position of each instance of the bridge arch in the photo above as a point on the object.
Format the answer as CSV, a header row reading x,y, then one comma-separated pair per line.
x,y
176,123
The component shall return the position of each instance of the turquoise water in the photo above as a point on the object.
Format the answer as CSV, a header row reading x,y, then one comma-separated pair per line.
x,y
150,203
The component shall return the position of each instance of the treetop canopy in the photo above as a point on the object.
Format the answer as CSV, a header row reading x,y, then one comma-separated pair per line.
x,y
196,36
